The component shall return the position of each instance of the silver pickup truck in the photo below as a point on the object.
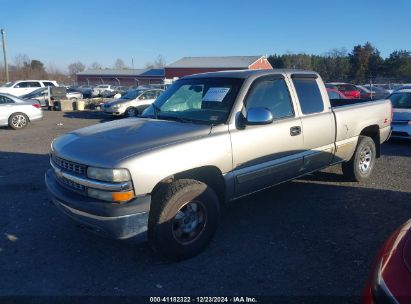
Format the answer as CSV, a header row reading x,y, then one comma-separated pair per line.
x,y
208,140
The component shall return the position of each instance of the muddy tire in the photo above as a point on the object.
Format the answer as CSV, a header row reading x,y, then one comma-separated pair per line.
x,y
183,219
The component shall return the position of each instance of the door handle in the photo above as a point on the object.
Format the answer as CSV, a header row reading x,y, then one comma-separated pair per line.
x,y
294,131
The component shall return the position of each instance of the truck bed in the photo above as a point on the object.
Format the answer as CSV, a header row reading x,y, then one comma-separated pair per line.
x,y
344,102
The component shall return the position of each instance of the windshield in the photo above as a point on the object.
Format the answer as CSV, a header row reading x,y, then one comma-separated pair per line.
x,y
203,100
34,93
401,100
8,84
132,94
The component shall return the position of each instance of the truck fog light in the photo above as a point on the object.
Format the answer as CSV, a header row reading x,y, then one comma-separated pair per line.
x,y
117,197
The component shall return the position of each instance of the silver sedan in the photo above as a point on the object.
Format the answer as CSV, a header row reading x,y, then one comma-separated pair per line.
x,y
401,124
18,113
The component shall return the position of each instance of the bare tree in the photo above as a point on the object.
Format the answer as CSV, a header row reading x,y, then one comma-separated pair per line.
x,y
22,67
76,67
119,64
95,66
21,61
149,65
157,64
160,62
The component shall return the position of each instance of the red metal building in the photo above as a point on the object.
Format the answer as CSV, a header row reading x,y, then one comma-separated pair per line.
x,y
194,65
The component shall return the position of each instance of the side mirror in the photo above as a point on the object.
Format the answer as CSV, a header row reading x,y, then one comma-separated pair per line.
x,y
259,116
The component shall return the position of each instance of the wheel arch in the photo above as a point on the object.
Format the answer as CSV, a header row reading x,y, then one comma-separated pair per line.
x,y
373,132
28,117
210,175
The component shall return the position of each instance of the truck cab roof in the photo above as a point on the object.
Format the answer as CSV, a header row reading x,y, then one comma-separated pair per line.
x,y
244,74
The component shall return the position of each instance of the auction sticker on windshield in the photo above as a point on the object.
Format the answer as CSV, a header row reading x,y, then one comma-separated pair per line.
x,y
216,94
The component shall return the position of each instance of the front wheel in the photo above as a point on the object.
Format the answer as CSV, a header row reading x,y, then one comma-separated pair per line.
x,y
183,219
130,112
361,165
18,121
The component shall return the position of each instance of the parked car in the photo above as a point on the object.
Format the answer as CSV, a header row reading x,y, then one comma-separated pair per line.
x,y
209,139
335,94
115,90
403,87
364,92
375,92
73,94
18,113
41,95
390,279
132,103
86,90
99,89
23,87
401,124
349,90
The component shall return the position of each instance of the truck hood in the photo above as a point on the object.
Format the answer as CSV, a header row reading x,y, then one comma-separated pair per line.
x,y
106,144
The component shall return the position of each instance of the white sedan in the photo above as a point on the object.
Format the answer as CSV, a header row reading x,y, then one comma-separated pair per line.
x,y
18,113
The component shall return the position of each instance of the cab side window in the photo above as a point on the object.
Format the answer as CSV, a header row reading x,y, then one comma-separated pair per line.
x,y
273,95
309,95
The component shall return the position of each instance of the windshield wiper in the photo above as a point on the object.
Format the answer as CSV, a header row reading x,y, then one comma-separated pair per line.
x,y
181,119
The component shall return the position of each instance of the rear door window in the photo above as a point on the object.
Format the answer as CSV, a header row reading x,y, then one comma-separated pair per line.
x,y
33,84
48,84
309,95
4,100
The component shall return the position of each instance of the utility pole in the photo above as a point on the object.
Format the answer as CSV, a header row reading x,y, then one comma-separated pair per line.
x,y
3,39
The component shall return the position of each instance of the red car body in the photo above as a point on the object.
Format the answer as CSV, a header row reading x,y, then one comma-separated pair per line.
x,y
390,279
349,90
333,93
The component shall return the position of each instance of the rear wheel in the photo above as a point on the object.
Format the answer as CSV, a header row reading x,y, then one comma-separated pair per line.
x,y
183,219
360,166
18,121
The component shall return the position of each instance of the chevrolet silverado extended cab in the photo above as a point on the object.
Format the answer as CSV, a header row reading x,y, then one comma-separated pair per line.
x,y
207,140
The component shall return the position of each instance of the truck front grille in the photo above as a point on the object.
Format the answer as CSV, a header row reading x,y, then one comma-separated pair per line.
x,y
70,184
69,166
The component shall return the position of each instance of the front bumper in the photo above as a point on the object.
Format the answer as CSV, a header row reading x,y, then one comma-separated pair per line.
x,y
123,221
116,112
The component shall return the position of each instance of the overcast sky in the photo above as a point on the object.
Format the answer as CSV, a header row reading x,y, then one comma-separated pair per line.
x,y
61,32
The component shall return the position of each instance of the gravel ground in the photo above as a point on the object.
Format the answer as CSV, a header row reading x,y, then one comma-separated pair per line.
x,y
314,236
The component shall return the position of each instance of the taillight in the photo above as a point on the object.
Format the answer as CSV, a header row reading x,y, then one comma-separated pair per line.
x,y
36,105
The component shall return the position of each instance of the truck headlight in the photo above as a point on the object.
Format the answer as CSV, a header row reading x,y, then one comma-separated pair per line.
x,y
108,175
